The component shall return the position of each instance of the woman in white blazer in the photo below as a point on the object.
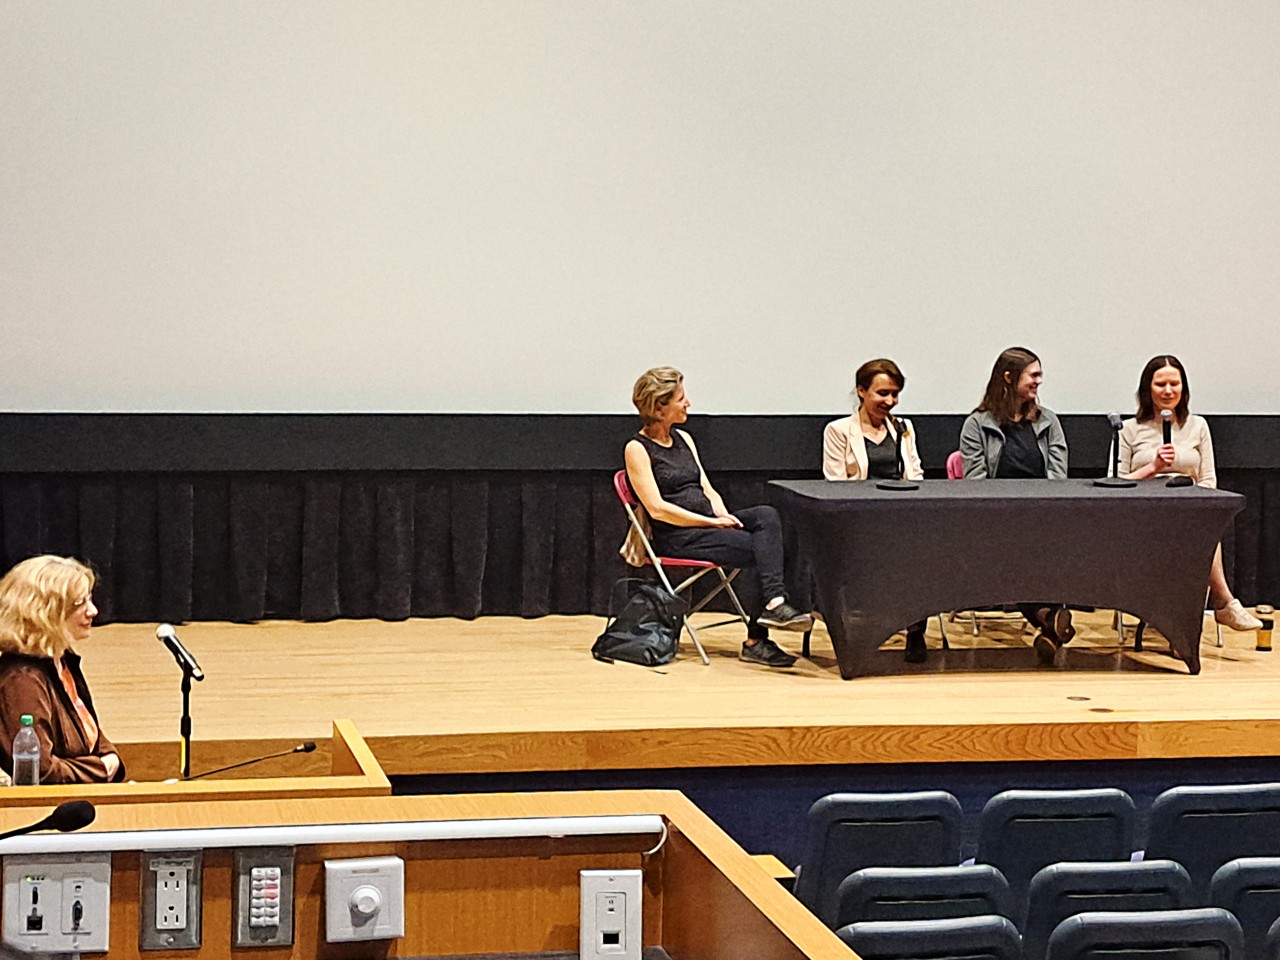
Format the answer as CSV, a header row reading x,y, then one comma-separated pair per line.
x,y
855,447
864,446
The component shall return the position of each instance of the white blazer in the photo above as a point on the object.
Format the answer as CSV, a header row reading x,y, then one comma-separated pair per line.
x,y
844,450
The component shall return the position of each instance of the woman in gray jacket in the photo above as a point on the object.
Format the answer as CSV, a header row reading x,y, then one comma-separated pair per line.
x,y
1011,437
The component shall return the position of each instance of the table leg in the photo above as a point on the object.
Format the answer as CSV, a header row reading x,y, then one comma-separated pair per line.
x,y
846,648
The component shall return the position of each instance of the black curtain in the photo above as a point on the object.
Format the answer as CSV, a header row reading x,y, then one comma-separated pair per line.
x,y
392,545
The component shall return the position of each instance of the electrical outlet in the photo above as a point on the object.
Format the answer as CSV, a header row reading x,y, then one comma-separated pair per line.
x,y
171,896
609,905
170,901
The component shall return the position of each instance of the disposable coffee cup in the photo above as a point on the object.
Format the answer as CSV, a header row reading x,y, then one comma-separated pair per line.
x,y
1264,634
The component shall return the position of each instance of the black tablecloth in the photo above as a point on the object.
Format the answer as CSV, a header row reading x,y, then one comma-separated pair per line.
x,y
883,559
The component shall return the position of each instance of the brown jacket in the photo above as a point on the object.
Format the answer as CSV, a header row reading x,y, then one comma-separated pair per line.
x,y
31,685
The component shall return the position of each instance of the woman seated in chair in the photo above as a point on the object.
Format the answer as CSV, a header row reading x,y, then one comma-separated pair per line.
x,y
872,444
1143,454
1011,437
690,520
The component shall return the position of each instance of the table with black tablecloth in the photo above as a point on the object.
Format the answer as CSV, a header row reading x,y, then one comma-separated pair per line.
x,y
883,559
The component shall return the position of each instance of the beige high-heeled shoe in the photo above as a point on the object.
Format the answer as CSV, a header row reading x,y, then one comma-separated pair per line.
x,y
1235,617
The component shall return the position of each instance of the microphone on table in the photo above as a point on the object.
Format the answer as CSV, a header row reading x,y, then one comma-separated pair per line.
x,y
306,746
1166,425
1114,479
901,483
897,446
166,635
71,815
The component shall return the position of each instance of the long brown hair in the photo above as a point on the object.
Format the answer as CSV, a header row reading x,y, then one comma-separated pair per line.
x,y
1001,398
1146,406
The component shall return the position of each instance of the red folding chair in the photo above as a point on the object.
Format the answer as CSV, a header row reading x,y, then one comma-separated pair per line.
x,y
696,569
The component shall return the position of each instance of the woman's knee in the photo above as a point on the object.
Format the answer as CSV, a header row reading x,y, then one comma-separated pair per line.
x,y
761,517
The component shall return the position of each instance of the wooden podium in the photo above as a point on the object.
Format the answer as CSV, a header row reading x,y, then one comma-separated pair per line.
x,y
486,875
352,771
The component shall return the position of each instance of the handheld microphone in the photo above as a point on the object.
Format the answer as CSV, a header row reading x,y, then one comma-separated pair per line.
x,y
1114,420
71,815
898,429
306,746
166,635
1166,421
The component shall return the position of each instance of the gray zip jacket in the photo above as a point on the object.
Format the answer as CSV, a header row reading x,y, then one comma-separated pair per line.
x,y
982,440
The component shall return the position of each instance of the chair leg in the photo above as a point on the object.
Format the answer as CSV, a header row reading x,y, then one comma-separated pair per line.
x,y
942,628
727,585
688,625
804,648
1137,635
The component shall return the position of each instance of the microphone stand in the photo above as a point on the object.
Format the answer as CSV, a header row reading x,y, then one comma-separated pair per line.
x,y
899,483
184,725
1114,481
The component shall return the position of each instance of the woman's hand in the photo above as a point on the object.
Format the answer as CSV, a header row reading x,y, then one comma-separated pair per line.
x,y
1165,455
726,520
112,762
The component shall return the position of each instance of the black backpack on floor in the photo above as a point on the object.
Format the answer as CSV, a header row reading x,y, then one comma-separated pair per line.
x,y
644,625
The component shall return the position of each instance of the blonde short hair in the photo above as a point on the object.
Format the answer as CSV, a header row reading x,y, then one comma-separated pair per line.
x,y
655,388
36,597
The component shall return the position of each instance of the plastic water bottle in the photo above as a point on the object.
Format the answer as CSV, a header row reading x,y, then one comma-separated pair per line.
x,y
26,754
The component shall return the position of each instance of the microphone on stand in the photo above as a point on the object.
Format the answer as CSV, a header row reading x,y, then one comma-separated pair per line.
x,y
1114,479
897,446
901,483
306,746
1166,425
71,815
166,635
190,671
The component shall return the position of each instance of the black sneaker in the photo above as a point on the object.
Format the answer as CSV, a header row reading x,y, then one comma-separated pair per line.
x,y
786,617
766,652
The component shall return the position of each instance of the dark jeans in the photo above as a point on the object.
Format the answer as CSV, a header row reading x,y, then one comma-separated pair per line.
x,y
758,545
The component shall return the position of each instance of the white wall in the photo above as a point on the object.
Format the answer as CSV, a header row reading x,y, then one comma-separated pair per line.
x,y
517,205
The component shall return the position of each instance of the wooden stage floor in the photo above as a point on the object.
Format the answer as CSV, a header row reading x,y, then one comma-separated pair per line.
x,y
504,695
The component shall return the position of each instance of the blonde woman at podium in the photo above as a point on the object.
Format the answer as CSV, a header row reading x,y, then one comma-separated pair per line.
x,y
46,606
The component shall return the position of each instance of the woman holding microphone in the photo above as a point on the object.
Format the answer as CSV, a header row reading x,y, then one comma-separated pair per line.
x,y
1164,410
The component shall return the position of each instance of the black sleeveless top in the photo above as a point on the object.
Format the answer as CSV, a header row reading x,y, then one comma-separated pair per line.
x,y
679,479
882,458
